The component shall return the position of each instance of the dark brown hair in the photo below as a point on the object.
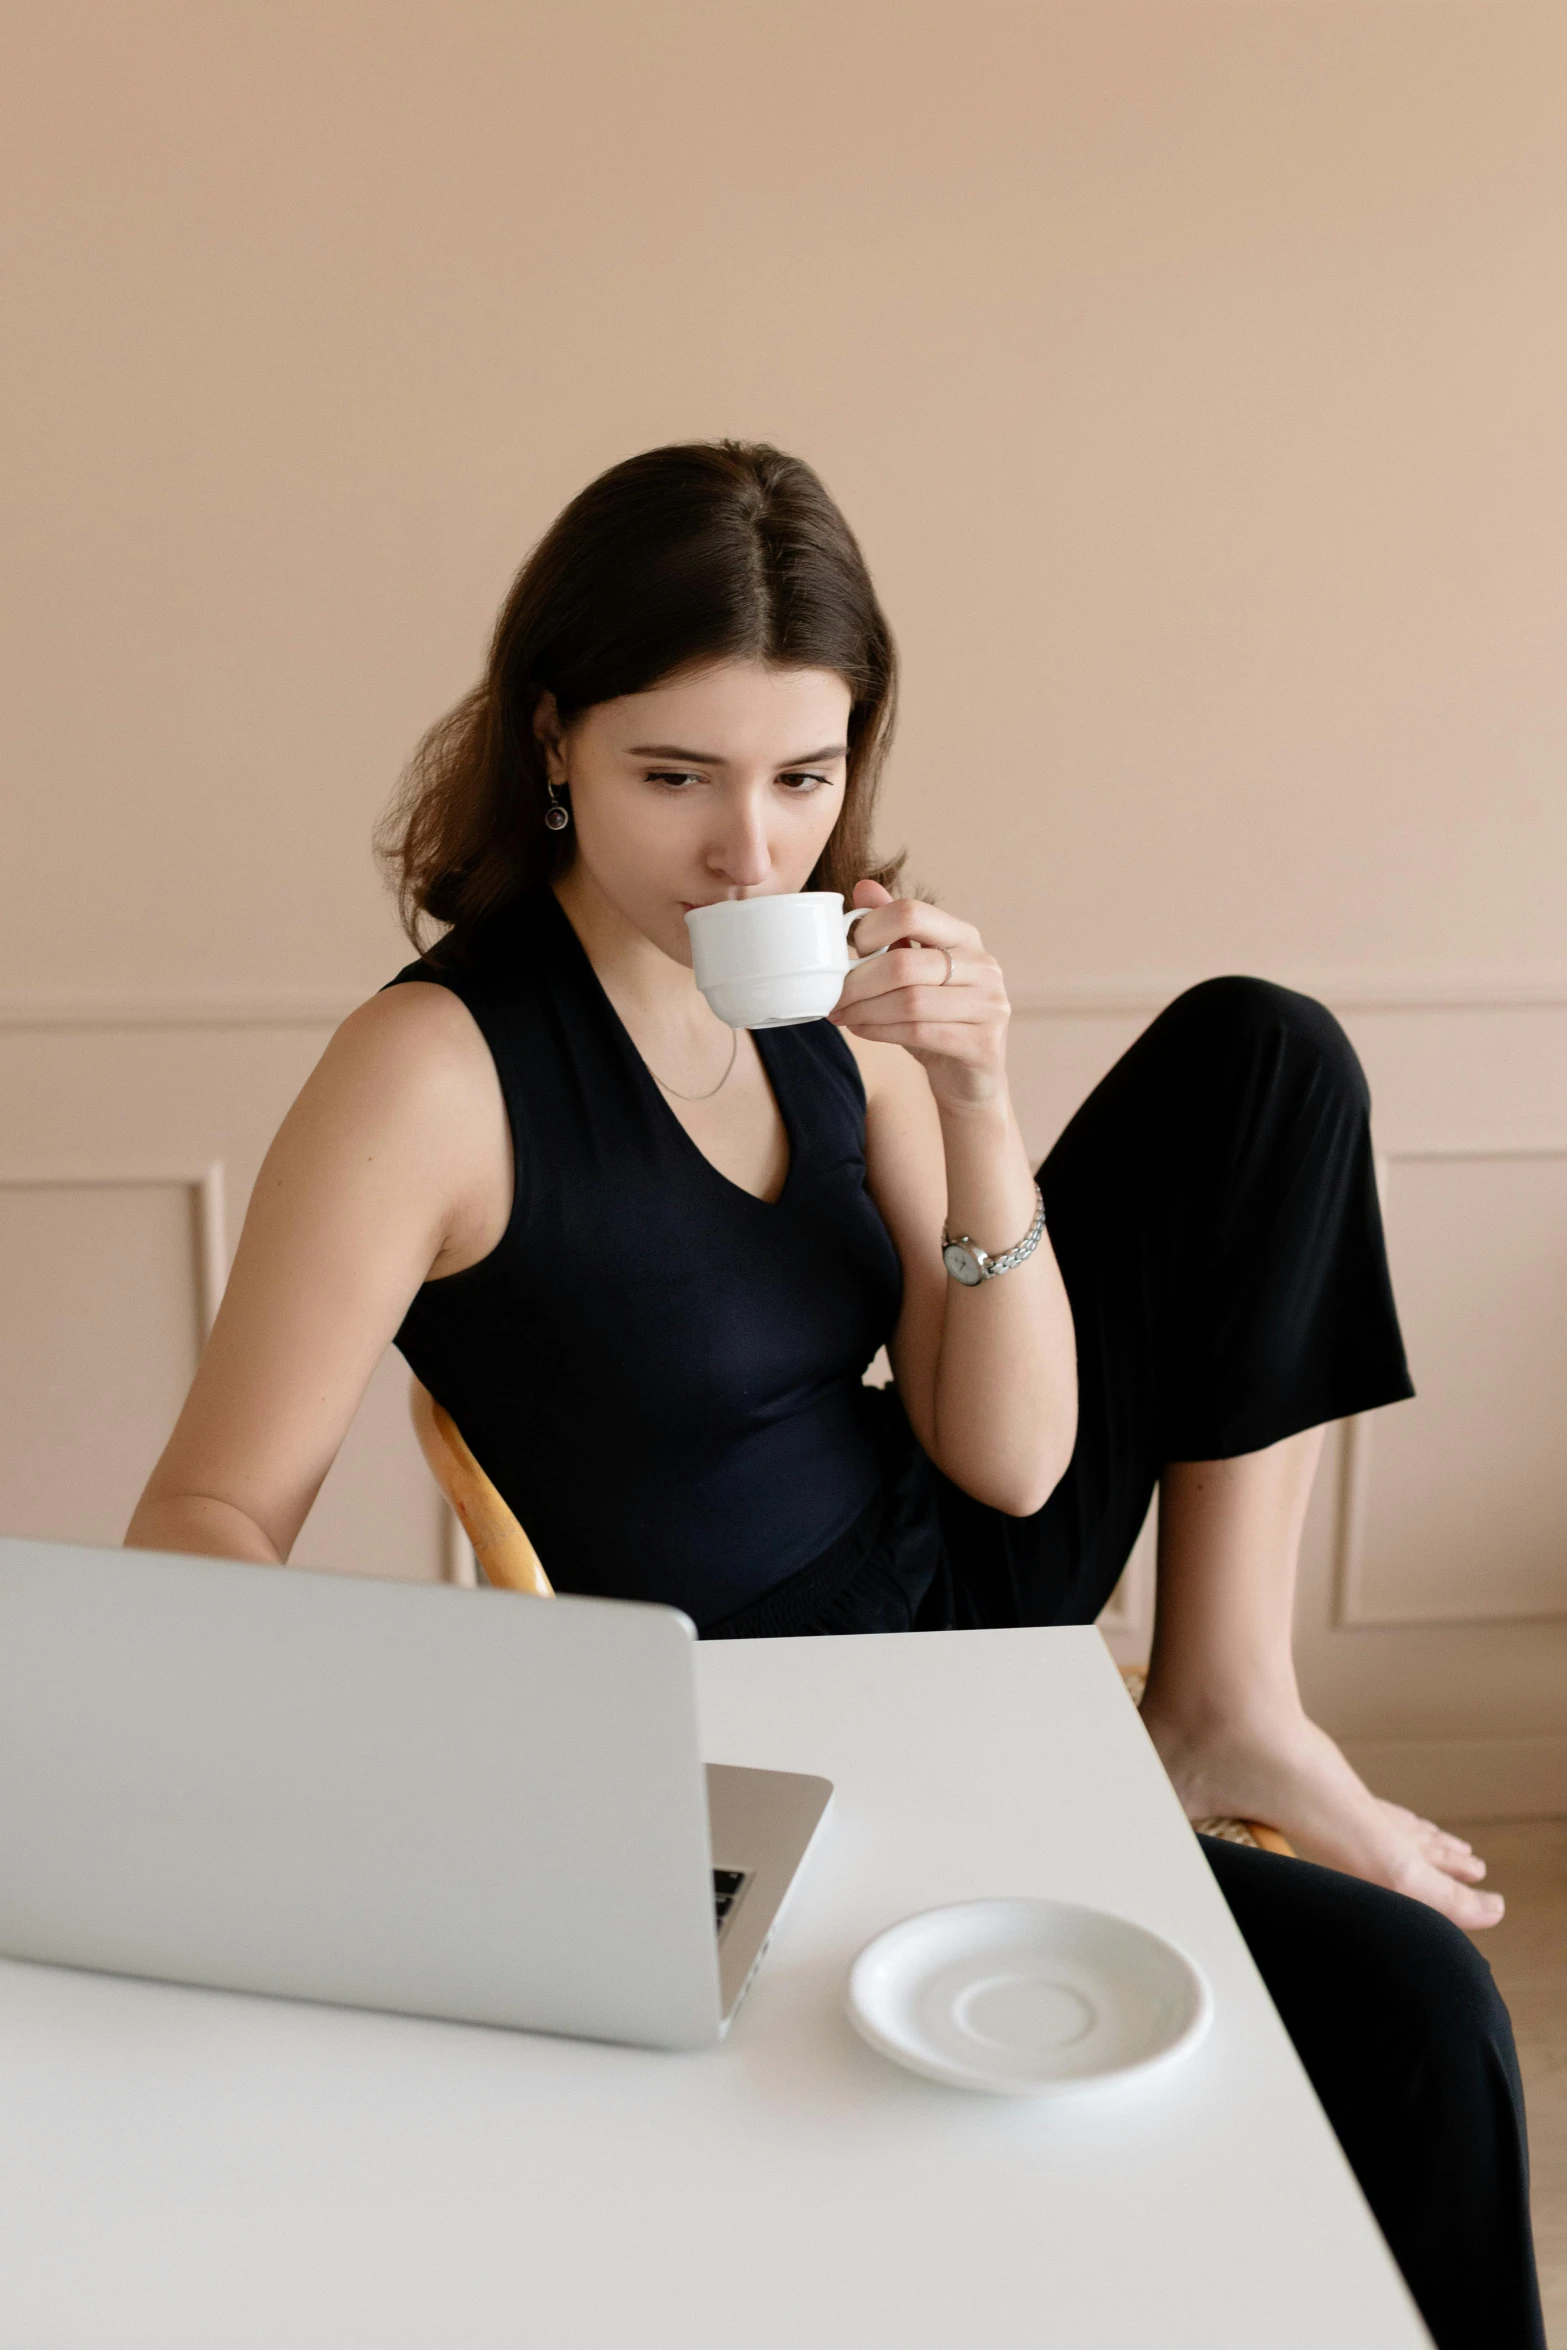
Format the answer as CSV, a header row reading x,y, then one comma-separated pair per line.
x,y
703,552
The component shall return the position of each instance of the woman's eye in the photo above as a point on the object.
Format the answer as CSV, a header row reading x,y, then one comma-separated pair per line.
x,y
679,779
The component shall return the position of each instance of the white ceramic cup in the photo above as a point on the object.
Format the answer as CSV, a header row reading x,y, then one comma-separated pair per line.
x,y
773,962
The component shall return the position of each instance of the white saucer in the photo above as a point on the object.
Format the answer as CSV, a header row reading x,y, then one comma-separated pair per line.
x,y
1027,1998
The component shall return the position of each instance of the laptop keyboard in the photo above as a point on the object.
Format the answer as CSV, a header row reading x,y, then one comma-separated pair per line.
x,y
726,1892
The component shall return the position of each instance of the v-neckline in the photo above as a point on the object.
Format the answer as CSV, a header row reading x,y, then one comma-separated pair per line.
x,y
651,1084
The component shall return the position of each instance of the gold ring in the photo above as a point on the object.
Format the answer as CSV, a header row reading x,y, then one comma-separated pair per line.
x,y
947,951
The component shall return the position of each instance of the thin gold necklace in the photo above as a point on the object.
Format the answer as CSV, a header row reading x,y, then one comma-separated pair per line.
x,y
699,1097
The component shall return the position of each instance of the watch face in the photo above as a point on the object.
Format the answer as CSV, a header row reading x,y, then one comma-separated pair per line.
x,y
962,1264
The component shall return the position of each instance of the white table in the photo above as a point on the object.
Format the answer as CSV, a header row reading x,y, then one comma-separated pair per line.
x,y
195,2171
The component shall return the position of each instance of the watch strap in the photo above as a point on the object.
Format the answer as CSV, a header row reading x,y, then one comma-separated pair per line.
x,y
992,1267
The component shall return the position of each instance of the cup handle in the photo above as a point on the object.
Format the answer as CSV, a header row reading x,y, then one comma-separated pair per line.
x,y
850,920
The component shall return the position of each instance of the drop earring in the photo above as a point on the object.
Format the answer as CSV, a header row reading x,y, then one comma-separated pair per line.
x,y
557,815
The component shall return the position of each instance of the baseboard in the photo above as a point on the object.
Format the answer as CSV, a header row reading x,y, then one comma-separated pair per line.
x,y
1467,1778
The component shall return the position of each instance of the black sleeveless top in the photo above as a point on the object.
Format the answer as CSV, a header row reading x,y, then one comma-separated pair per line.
x,y
660,1372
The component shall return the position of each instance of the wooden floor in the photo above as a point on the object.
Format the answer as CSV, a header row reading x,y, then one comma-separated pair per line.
x,y
1528,1955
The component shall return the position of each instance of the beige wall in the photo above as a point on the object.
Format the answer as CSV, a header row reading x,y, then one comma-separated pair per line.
x,y
1194,375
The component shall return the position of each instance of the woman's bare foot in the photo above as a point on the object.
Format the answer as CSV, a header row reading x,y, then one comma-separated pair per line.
x,y
1295,1779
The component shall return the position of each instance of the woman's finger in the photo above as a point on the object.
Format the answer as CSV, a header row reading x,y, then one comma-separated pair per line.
x,y
967,1007
925,1011
920,966
980,1004
910,918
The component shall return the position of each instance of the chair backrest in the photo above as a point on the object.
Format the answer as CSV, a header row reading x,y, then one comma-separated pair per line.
x,y
506,1557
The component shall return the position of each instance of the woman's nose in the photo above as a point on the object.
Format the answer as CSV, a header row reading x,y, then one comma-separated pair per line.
x,y
742,852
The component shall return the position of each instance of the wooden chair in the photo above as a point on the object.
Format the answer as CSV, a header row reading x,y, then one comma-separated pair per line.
x,y
508,1559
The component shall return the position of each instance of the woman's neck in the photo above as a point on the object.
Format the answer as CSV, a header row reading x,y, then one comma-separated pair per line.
x,y
654,995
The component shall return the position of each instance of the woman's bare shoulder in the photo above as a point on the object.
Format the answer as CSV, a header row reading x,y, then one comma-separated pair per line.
x,y
406,1081
418,1016
412,1044
397,1148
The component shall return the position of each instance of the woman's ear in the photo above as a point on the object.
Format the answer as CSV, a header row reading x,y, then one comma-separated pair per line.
x,y
551,736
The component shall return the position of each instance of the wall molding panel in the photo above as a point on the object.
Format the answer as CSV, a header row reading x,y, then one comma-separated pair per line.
x,y
1357,1603
283,1009
1343,992
1126,1620
1118,996
112,1270
205,1185
1467,1778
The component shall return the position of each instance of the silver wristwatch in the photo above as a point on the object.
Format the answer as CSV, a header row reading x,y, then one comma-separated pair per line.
x,y
969,1264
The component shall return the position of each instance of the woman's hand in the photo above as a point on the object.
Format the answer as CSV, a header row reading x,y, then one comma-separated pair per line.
x,y
937,993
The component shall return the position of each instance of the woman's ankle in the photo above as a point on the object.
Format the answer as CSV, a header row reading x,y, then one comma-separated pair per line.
x,y
1255,1712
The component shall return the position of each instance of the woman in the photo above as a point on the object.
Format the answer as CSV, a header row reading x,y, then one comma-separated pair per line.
x,y
644,1260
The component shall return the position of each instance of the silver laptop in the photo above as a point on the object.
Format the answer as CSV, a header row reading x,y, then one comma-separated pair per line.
x,y
448,1803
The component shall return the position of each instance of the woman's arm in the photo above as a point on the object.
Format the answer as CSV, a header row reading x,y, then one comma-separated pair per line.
x,y
988,1375
393,1164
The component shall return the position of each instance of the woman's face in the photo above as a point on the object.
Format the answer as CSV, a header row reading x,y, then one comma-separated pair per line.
x,y
722,782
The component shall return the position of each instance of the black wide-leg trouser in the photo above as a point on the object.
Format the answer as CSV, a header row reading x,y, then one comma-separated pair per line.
x,y
1213,1209
1396,2018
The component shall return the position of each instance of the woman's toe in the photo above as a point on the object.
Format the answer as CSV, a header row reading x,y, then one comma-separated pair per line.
x,y
1439,1890
1456,1859
1455,1855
